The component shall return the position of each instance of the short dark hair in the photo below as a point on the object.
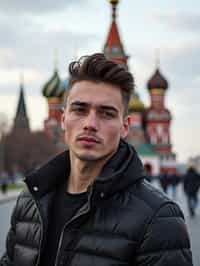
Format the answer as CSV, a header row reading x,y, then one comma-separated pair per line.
x,y
98,68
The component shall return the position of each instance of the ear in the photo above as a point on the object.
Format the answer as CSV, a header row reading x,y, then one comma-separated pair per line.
x,y
125,126
63,119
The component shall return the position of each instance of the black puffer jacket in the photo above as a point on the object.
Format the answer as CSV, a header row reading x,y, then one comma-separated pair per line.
x,y
126,221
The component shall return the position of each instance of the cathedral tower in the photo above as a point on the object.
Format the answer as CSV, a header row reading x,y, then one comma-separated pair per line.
x,y
113,48
158,119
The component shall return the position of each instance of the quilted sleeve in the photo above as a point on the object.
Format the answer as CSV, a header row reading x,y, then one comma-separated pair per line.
x,y
165,241
6,259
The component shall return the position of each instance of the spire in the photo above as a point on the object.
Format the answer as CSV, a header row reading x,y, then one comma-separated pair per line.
x,y
113,48
21,119
157,56
56,60
114,4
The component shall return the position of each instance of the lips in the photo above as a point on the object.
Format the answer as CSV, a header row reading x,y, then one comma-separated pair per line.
x,y
89,139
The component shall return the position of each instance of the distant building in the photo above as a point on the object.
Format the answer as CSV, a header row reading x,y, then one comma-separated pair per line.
x,y
150,126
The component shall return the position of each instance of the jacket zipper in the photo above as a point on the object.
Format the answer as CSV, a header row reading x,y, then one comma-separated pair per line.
x,y
79,214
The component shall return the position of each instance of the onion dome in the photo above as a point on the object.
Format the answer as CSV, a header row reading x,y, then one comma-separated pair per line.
x,y
157,81
114,2
65,84
135,104
54,87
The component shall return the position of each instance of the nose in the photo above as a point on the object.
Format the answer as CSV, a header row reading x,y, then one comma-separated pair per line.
x,y
91,121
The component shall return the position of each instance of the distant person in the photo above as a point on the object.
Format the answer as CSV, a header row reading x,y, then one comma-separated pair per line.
x,y
91,205
148,172
164,181
191,188
174,180
4,182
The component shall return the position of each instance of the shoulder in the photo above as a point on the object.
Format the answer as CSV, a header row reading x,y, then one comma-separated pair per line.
x,y
25,205
146,205
24,196
156,211
151,199
162,221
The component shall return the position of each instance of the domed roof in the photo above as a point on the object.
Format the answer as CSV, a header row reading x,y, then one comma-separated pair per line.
x,y
65,84
135,104
157,81
114,2
54,87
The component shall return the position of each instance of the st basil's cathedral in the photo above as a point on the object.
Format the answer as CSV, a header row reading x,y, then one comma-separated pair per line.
x,y
150,125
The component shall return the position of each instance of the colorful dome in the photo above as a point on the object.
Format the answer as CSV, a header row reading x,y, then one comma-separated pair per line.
x,y
157,81
114,2
135,104
54,87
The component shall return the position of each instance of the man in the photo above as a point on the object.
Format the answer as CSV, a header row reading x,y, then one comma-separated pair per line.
x,y
191,184
90,206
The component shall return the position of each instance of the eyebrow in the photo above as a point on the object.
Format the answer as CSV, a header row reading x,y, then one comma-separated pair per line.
x,y
101,106
79,103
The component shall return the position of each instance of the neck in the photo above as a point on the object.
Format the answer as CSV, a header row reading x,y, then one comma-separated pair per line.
x,y
83,173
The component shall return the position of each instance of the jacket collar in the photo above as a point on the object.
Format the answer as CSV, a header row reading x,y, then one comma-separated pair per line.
x,y
122,170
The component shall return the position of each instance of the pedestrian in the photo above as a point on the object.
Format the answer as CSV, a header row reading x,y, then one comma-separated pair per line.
x,y
91,205
148,172
174,181
191,188
4,182
164,181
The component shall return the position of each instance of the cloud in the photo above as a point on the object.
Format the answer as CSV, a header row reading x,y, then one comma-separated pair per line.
x,y
183,64
180,20
35,7
31,49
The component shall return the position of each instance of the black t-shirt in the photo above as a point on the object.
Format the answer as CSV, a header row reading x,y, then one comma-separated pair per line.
x,y
64,207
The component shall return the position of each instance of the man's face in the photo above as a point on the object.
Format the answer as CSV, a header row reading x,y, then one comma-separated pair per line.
x,y
93,120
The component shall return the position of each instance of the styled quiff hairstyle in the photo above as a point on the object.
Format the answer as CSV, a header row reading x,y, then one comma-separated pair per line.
x,y
98,68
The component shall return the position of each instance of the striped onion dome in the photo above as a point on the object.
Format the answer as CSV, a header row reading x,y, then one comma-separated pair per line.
x,y
54,87
157,81
114,2
135,104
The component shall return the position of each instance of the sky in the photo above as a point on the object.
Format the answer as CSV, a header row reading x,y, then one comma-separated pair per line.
x,y
37,36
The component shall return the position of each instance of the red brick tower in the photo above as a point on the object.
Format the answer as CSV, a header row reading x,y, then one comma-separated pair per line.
x,y
158,119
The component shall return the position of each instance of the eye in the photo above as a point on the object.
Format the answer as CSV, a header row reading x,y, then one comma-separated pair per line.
x,y
107,114
79,110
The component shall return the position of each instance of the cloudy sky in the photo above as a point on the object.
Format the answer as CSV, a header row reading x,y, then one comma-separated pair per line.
x,y
32,32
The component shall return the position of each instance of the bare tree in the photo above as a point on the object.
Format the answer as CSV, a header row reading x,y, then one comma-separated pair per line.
x,y
27,150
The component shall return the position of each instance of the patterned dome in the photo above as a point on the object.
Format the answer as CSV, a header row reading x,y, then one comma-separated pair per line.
x,y
135,104
54,87
114,2
157,81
